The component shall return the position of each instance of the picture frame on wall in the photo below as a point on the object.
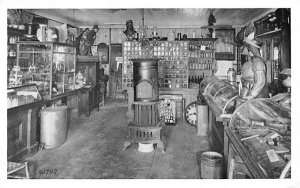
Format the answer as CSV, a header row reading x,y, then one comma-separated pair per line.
x,y
225,47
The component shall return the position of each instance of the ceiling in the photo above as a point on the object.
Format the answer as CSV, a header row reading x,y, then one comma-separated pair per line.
x,y
153,17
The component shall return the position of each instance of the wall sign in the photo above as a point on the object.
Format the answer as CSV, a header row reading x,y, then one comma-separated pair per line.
x,y
225,48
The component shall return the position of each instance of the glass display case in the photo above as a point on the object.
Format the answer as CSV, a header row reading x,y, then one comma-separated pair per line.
x,y
17,96
264,129
49,65
263,112
205,82
221,96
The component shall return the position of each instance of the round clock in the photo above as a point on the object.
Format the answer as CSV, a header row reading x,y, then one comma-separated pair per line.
x,y
190,113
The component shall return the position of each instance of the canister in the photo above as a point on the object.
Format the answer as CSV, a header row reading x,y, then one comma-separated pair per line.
x,y
54,126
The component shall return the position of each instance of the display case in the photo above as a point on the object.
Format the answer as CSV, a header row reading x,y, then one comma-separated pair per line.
x,y
13,36
23,106
49,65
262,129
205,82
220,96
26,94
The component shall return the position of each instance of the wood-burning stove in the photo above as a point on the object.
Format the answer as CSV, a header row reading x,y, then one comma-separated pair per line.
x,y
146,127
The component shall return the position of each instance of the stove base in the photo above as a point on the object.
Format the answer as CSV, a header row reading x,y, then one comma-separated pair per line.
x,y
145,135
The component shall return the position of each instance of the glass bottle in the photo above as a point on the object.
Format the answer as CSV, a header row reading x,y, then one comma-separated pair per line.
x,y
231,76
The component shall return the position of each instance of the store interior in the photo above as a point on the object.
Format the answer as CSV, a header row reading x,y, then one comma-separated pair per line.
x,y
149,93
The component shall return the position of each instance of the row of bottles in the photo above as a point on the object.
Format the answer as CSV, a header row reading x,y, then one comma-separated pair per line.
x,y
201,45
196,64
201,54
179,64
196,79
172,83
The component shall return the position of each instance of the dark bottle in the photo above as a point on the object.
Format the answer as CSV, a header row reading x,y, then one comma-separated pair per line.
x,y
198,81
179,36
274,87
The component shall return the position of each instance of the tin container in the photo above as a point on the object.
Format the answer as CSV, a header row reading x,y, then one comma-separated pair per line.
x,y
54,126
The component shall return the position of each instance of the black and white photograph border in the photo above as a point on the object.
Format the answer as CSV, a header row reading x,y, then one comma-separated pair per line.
x,y
111,169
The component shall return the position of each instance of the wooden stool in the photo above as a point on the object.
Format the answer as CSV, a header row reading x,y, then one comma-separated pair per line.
x,y
13,167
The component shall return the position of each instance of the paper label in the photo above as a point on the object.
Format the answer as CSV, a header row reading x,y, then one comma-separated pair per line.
x,y
274,135
272,155
202,47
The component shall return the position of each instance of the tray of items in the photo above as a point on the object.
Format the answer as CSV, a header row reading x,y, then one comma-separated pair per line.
x,y
264,128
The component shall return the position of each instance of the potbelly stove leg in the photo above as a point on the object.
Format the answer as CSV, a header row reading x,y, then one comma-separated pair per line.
x,y
127,144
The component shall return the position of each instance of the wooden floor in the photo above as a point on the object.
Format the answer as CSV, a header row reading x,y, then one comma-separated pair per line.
x,y
93,150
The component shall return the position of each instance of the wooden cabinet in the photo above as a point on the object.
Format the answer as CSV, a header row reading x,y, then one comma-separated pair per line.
x,y
89,66
276,50
88,97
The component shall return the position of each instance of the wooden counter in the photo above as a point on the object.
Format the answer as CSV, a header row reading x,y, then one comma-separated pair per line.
x,y
224,141
189,95
88,99
233,147
216,124
23,130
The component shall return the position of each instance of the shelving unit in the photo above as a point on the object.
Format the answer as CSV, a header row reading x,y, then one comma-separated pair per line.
x,y
181,62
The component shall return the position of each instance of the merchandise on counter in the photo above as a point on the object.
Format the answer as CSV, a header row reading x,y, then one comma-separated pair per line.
x,y
264,127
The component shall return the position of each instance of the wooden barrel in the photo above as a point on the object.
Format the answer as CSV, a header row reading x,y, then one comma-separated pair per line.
x,y
146,113
211,165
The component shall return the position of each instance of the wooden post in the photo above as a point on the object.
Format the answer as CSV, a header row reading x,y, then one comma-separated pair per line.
x,y
29,131
225,152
